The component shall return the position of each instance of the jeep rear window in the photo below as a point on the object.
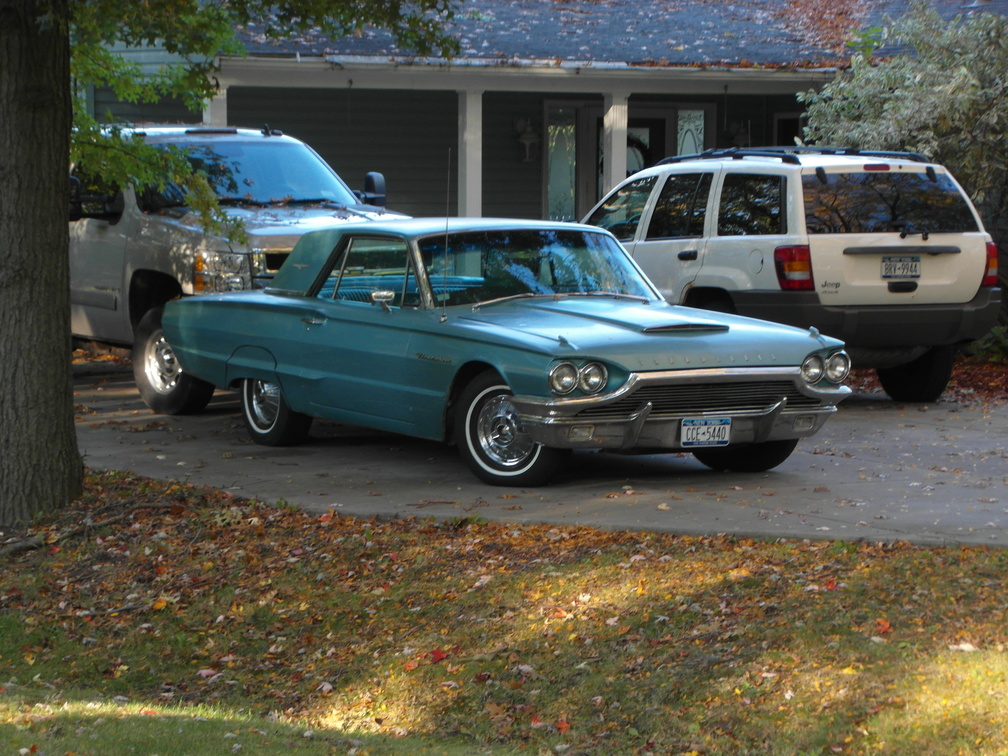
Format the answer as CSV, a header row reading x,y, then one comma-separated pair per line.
x,y
751,205
876,201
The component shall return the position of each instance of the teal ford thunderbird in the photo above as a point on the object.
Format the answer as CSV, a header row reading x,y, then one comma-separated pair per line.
x,y
514,340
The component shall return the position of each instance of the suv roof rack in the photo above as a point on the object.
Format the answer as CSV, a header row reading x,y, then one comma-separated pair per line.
x,y
790,155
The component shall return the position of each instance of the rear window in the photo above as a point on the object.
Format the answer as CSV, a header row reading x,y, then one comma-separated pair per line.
x,y
871,202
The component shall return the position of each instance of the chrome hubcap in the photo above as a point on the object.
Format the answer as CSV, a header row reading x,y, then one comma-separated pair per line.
x,y
500,433
264,403
162,369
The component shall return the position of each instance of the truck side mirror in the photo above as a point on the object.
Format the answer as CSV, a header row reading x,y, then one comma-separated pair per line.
x,y
75,199
374,189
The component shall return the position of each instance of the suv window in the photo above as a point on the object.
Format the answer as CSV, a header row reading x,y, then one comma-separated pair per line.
x,y
863,202
751,205
621,213
681,207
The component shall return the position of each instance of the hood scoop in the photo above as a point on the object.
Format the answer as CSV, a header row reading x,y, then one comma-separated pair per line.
x,y
688,328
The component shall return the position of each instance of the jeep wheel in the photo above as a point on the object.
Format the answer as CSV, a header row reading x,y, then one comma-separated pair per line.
x,y
747,457
163,386
922,380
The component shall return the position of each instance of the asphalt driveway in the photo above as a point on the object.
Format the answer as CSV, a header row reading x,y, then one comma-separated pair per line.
x,y
931,474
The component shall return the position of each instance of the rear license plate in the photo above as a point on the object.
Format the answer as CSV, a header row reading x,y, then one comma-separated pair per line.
x,y
706,431
901,267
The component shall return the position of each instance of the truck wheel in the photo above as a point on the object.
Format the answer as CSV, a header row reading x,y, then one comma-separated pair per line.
x,y
163,386
492,442
747,457
269,420
923,379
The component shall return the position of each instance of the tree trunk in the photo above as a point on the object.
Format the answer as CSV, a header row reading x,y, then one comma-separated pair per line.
x,y
40,466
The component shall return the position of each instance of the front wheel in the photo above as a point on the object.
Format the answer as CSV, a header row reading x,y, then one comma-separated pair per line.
x,y
163,385
923,379
269,420
492,441
747,457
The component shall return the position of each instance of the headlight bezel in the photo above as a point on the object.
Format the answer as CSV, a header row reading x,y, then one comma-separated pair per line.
x,y
833,367
219,271
588,378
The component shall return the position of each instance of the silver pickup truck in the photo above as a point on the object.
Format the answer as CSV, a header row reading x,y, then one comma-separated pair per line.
x,y
133,250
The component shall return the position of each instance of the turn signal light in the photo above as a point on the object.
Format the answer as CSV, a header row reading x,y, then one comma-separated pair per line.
x,y
990,278
794,268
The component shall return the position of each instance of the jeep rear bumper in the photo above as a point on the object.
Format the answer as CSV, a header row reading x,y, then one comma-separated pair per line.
x,y
878,326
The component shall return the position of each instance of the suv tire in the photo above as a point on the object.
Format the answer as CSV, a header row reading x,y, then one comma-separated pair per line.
x,y
922,380
164,387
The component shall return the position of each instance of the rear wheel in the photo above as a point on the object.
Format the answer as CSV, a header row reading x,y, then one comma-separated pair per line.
x,y
923,379
163,385
492,441
269,420
747,457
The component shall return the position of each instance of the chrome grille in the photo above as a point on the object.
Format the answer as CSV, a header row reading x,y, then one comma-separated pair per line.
x,y
697,398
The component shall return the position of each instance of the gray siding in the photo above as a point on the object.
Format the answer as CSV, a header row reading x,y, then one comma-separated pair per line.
x,y
406,135
168,110
512,188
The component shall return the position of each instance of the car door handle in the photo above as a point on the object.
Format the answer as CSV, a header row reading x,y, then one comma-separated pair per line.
x,y
313,320
689,254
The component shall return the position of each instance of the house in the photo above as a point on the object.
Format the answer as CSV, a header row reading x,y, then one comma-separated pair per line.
x,y
551,102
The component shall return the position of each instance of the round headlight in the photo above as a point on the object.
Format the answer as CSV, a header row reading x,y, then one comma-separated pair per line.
x,y
592,377
838,367
563,378
812,368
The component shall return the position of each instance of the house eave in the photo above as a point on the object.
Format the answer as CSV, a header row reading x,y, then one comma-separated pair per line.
x,y
513,74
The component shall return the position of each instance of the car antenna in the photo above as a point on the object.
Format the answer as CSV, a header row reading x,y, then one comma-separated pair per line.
x,y
444,271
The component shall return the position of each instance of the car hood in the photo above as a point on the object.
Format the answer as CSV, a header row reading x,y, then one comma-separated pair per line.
x,y
272,226
640,336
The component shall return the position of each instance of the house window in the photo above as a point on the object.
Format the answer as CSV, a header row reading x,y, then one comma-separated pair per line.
x,y
690,131
561,165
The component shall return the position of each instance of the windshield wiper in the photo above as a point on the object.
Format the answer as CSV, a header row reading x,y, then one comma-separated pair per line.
x,y
510,297
315,201
241,201
613,294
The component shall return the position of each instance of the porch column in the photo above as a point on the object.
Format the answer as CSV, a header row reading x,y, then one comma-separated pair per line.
x,y
470,157
614,139
215,109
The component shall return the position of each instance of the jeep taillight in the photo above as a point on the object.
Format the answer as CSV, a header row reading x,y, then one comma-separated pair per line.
x,y
794,268
990,277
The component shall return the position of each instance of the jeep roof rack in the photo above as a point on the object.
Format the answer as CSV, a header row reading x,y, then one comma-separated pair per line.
x,y
790,155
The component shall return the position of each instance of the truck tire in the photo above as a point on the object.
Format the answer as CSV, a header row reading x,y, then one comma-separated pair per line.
x,y
164,387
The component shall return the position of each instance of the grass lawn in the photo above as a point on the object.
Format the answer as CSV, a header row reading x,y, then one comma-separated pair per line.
x,y
155,618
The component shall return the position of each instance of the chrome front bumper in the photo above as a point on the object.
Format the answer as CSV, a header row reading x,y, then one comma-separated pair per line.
x,y
766,404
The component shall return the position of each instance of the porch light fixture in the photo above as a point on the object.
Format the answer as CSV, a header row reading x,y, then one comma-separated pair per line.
x,y
528,138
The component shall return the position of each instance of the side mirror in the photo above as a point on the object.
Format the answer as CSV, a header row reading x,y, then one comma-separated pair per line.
x,y
374,190
75,199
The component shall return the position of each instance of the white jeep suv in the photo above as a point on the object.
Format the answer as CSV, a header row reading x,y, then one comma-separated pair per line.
x,y
882,250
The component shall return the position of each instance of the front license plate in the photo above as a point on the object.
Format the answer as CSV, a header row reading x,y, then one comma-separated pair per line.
x,y
706,431
901,267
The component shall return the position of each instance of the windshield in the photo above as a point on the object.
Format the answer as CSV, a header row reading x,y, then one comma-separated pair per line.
x,y
867,202
479,266
263,172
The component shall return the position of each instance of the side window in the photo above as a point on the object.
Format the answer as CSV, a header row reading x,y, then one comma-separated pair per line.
x,y
681,207
621,211
369,265
752,205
